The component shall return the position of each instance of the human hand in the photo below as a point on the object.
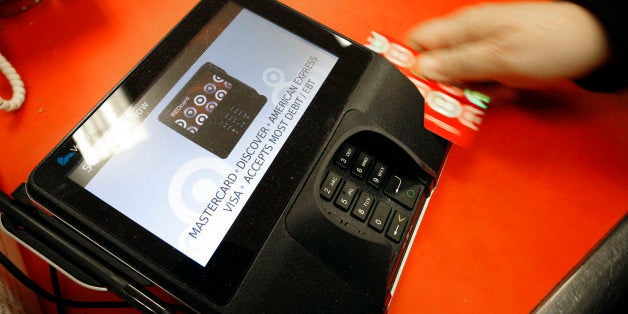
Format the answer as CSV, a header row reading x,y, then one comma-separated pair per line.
x,y
521,44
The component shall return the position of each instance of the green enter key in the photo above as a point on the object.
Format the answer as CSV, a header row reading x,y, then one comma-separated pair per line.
x,y
403,190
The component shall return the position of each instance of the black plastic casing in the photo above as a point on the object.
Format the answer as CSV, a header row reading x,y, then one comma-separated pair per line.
x,y
342,272
309,263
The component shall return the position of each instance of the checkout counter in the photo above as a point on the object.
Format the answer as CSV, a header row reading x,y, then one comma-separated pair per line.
x,y
543,182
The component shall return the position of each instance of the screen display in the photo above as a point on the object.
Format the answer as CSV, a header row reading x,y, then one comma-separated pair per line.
x,y
182,158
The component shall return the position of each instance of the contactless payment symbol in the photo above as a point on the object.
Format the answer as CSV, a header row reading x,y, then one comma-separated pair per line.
x,y
213,110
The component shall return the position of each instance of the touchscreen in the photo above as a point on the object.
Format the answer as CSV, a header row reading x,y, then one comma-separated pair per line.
x,y
184,165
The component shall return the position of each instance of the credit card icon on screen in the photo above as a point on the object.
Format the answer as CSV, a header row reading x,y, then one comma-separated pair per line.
x,y
213,110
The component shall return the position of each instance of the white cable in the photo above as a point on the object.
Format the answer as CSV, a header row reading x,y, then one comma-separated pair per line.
x,y
19,92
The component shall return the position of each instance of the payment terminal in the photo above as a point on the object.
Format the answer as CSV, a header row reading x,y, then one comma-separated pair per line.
x,y
254,160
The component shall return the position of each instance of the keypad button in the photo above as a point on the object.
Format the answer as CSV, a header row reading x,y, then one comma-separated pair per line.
x,y
330,184
380,215
403,190
363,206
397,226
346,195
359,188
345,155
376,177
361,165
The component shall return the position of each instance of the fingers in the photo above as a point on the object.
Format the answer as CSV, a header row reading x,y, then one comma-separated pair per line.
x,y
459,46
463,26
473,61
511,43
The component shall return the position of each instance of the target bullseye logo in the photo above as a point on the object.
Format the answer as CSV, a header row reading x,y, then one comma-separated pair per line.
x,y
201,118
220,94
205,103
203,110
190,112
211,106
200,100
191,188
209,88
181,123
217,79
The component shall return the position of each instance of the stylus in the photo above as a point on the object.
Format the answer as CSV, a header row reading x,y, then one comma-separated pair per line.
x,y
136,295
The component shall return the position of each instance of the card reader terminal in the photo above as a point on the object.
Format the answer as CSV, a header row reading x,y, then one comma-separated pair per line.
x,y
250,146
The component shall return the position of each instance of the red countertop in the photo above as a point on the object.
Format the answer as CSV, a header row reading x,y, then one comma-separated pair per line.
x,y
544,181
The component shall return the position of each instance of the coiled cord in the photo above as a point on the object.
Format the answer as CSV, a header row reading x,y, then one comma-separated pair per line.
x,y
19,92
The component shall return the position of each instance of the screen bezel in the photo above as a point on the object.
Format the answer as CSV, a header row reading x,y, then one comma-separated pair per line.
x,y
217,282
